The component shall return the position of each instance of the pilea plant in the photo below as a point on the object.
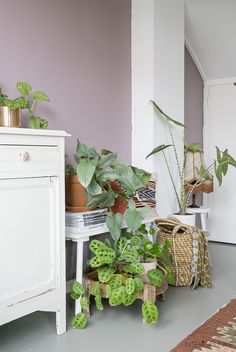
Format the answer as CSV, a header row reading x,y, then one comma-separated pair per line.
x,y
118,268
108,181
27,100
148,251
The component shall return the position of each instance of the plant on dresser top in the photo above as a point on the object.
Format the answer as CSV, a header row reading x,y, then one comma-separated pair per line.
x,y
117,275
110,184
27,100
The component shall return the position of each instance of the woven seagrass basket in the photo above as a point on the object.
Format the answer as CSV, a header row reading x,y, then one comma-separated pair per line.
x,y
181,249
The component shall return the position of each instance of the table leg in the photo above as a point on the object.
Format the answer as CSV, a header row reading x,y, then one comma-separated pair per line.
x,y
203,221
79,271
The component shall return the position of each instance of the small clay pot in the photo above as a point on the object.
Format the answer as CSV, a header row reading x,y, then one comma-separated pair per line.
x,y
76,195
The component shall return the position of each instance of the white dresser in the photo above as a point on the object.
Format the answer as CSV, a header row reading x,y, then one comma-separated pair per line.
x,y
32,228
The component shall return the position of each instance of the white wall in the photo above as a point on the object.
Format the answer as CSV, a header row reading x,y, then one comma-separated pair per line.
x,y
157,73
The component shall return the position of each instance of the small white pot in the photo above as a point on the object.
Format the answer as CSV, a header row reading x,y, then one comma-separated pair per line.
x,y
187,219
147,267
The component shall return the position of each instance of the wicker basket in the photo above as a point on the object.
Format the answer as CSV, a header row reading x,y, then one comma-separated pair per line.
x,y
190,259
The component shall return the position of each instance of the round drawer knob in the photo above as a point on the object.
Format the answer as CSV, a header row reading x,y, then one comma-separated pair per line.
x,y
25,156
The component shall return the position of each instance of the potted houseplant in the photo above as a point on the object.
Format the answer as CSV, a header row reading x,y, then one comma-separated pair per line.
x,y
116,276
219,166
110,184
151,255
10,109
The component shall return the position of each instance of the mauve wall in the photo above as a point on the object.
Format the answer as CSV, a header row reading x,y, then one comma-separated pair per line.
x,y
193,106
193,101
79,53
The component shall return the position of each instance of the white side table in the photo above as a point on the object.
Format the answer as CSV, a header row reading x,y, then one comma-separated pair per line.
x,y
203,211
80,237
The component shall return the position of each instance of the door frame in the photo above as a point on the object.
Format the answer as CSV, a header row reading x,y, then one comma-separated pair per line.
x,y
207,85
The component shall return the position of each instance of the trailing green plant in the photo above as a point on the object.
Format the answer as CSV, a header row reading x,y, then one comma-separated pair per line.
x,y
27,100
105,180
219,165
118,268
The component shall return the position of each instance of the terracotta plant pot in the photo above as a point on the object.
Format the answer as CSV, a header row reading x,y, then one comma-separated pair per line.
x,y
147,267
76,195
121,203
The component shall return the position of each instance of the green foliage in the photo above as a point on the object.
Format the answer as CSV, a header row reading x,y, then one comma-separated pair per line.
x,y
129,285
95,290
84,303
79,321
114,223
116,296
129,254
105,273
139,285
156,277
116,281
150,312
108,290
96,172
98,302
27,100
135,217
128,299
134,268
159,149
76,290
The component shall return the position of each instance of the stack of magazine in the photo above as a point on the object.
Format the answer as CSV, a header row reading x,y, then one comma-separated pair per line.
x,y
86,221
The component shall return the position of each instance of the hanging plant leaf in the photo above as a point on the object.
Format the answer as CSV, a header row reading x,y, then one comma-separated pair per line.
x,y
85,171
150,312
93,188
79,321
105,273
114,223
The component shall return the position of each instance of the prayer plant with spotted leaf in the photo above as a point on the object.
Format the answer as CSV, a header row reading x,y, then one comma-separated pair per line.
x,y
219,165
118,267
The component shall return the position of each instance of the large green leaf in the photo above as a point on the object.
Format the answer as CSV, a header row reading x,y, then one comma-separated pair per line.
x,y
41,96
143,175
107,159
93,188
105,199
114,223
134,217
85,171
128,180
158,149
84,151
168,118
23,87
106,175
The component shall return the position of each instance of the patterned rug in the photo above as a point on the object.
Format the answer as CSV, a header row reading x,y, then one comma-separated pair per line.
x,y
217,334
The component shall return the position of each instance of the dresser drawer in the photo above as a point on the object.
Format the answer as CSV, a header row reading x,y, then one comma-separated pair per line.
x,y
28,161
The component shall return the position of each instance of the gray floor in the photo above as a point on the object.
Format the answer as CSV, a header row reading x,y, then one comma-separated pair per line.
x,y
121,328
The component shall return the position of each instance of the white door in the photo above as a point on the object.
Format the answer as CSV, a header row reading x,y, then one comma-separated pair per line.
x,y
220,130
27,238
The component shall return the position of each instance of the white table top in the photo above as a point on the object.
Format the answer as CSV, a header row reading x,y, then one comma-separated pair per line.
x,y
200,210
75,234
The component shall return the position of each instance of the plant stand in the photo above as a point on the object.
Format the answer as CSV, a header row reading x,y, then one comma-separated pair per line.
x,y
203,211
150,292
